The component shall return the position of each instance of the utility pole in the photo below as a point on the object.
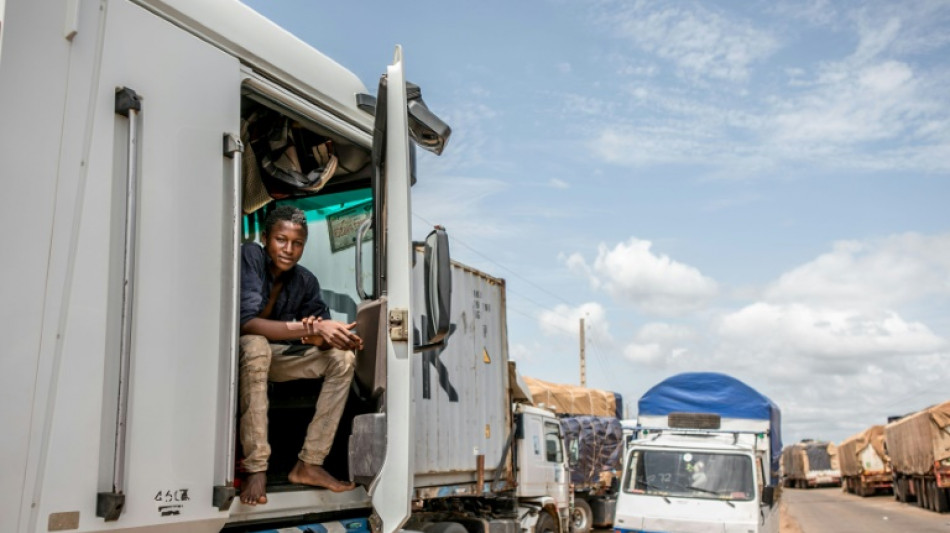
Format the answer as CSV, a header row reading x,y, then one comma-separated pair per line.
x,y
583,358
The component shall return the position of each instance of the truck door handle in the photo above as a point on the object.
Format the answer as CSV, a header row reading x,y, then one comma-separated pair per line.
x,y
360,233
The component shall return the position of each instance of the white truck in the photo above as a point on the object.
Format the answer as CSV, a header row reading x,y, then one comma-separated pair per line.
x,y
126,166
701,459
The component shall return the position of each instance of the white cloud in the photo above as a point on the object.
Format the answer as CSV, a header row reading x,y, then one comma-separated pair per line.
x,y
852,105
881,106
522,353
564,321
802,331
870,96
659,344
654,283
558,183
872,274
816,12
700,42
829,336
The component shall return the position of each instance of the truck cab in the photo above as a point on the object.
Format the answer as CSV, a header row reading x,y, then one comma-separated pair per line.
x,y
541,462
695,482
131,124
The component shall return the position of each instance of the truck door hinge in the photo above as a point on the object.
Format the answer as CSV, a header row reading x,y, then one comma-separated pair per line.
x,y
399,324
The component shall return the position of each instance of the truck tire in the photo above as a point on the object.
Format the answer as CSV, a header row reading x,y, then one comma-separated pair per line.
x,y
444,527
941,500
546,524
582,518
931,488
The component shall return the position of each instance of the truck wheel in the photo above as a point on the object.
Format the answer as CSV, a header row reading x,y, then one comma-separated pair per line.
x,y
582,517
444,527
941,501
546,524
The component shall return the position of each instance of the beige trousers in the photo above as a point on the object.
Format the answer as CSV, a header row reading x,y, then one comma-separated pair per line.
x,y
261,362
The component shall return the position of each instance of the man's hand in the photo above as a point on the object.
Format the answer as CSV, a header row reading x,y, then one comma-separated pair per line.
x,y
337,334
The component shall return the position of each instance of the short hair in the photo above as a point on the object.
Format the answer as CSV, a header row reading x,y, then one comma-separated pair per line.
x,y
285,213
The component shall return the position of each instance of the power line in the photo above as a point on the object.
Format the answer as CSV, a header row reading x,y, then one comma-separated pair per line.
x,y
597,355
496,263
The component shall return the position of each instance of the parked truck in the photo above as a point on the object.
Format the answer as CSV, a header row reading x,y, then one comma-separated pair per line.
x,y
919,447
865,466
138,147
593,438
810,463
704,458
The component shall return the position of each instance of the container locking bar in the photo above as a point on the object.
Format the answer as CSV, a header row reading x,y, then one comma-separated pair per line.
x,y
224,492
109,504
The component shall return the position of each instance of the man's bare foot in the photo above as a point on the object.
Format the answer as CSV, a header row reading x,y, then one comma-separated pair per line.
x,y
315,475
254,491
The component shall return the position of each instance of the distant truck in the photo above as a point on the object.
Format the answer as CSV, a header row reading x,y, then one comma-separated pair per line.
x,y
919,447
809,464
593,438
865,466
704,458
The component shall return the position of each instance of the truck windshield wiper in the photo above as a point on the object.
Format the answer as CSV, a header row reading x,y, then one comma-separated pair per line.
x,y
714,493
662,493
698,489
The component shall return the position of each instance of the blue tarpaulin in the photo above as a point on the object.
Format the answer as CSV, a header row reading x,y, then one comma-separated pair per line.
x,y
594,445
714,393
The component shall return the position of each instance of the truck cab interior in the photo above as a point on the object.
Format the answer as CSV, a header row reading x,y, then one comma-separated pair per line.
x,y
290,159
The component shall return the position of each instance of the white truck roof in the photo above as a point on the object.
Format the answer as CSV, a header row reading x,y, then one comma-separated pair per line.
x,y
270,49
710,441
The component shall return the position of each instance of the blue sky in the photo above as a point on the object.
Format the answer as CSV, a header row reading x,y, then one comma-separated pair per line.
x,y
757,188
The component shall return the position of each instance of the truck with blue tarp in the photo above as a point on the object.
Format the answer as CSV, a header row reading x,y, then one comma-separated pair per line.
x,y
703,456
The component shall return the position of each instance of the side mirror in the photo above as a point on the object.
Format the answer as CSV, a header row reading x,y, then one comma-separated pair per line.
x,y
768,495
438,285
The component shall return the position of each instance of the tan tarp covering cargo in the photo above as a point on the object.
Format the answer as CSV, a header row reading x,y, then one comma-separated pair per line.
x,y
796,463
916,441
850,450
571,399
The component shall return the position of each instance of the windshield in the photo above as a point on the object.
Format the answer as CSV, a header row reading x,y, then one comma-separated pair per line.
x,y
689,474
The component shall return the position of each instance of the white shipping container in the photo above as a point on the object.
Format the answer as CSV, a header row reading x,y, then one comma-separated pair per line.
x,y
460,399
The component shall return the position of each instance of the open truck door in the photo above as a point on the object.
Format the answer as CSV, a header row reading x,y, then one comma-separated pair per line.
x,y
401,115
391,492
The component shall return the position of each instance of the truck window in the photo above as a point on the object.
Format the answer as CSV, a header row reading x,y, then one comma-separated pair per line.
x,y
552,443
690,474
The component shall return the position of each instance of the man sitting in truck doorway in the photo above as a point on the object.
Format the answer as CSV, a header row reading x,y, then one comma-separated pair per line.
x,y
287,334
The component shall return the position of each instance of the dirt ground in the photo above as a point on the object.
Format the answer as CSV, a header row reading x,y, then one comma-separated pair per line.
x,y
787,524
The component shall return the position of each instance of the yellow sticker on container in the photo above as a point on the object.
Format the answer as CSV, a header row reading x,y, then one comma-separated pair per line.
x,y
487,431
485,357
